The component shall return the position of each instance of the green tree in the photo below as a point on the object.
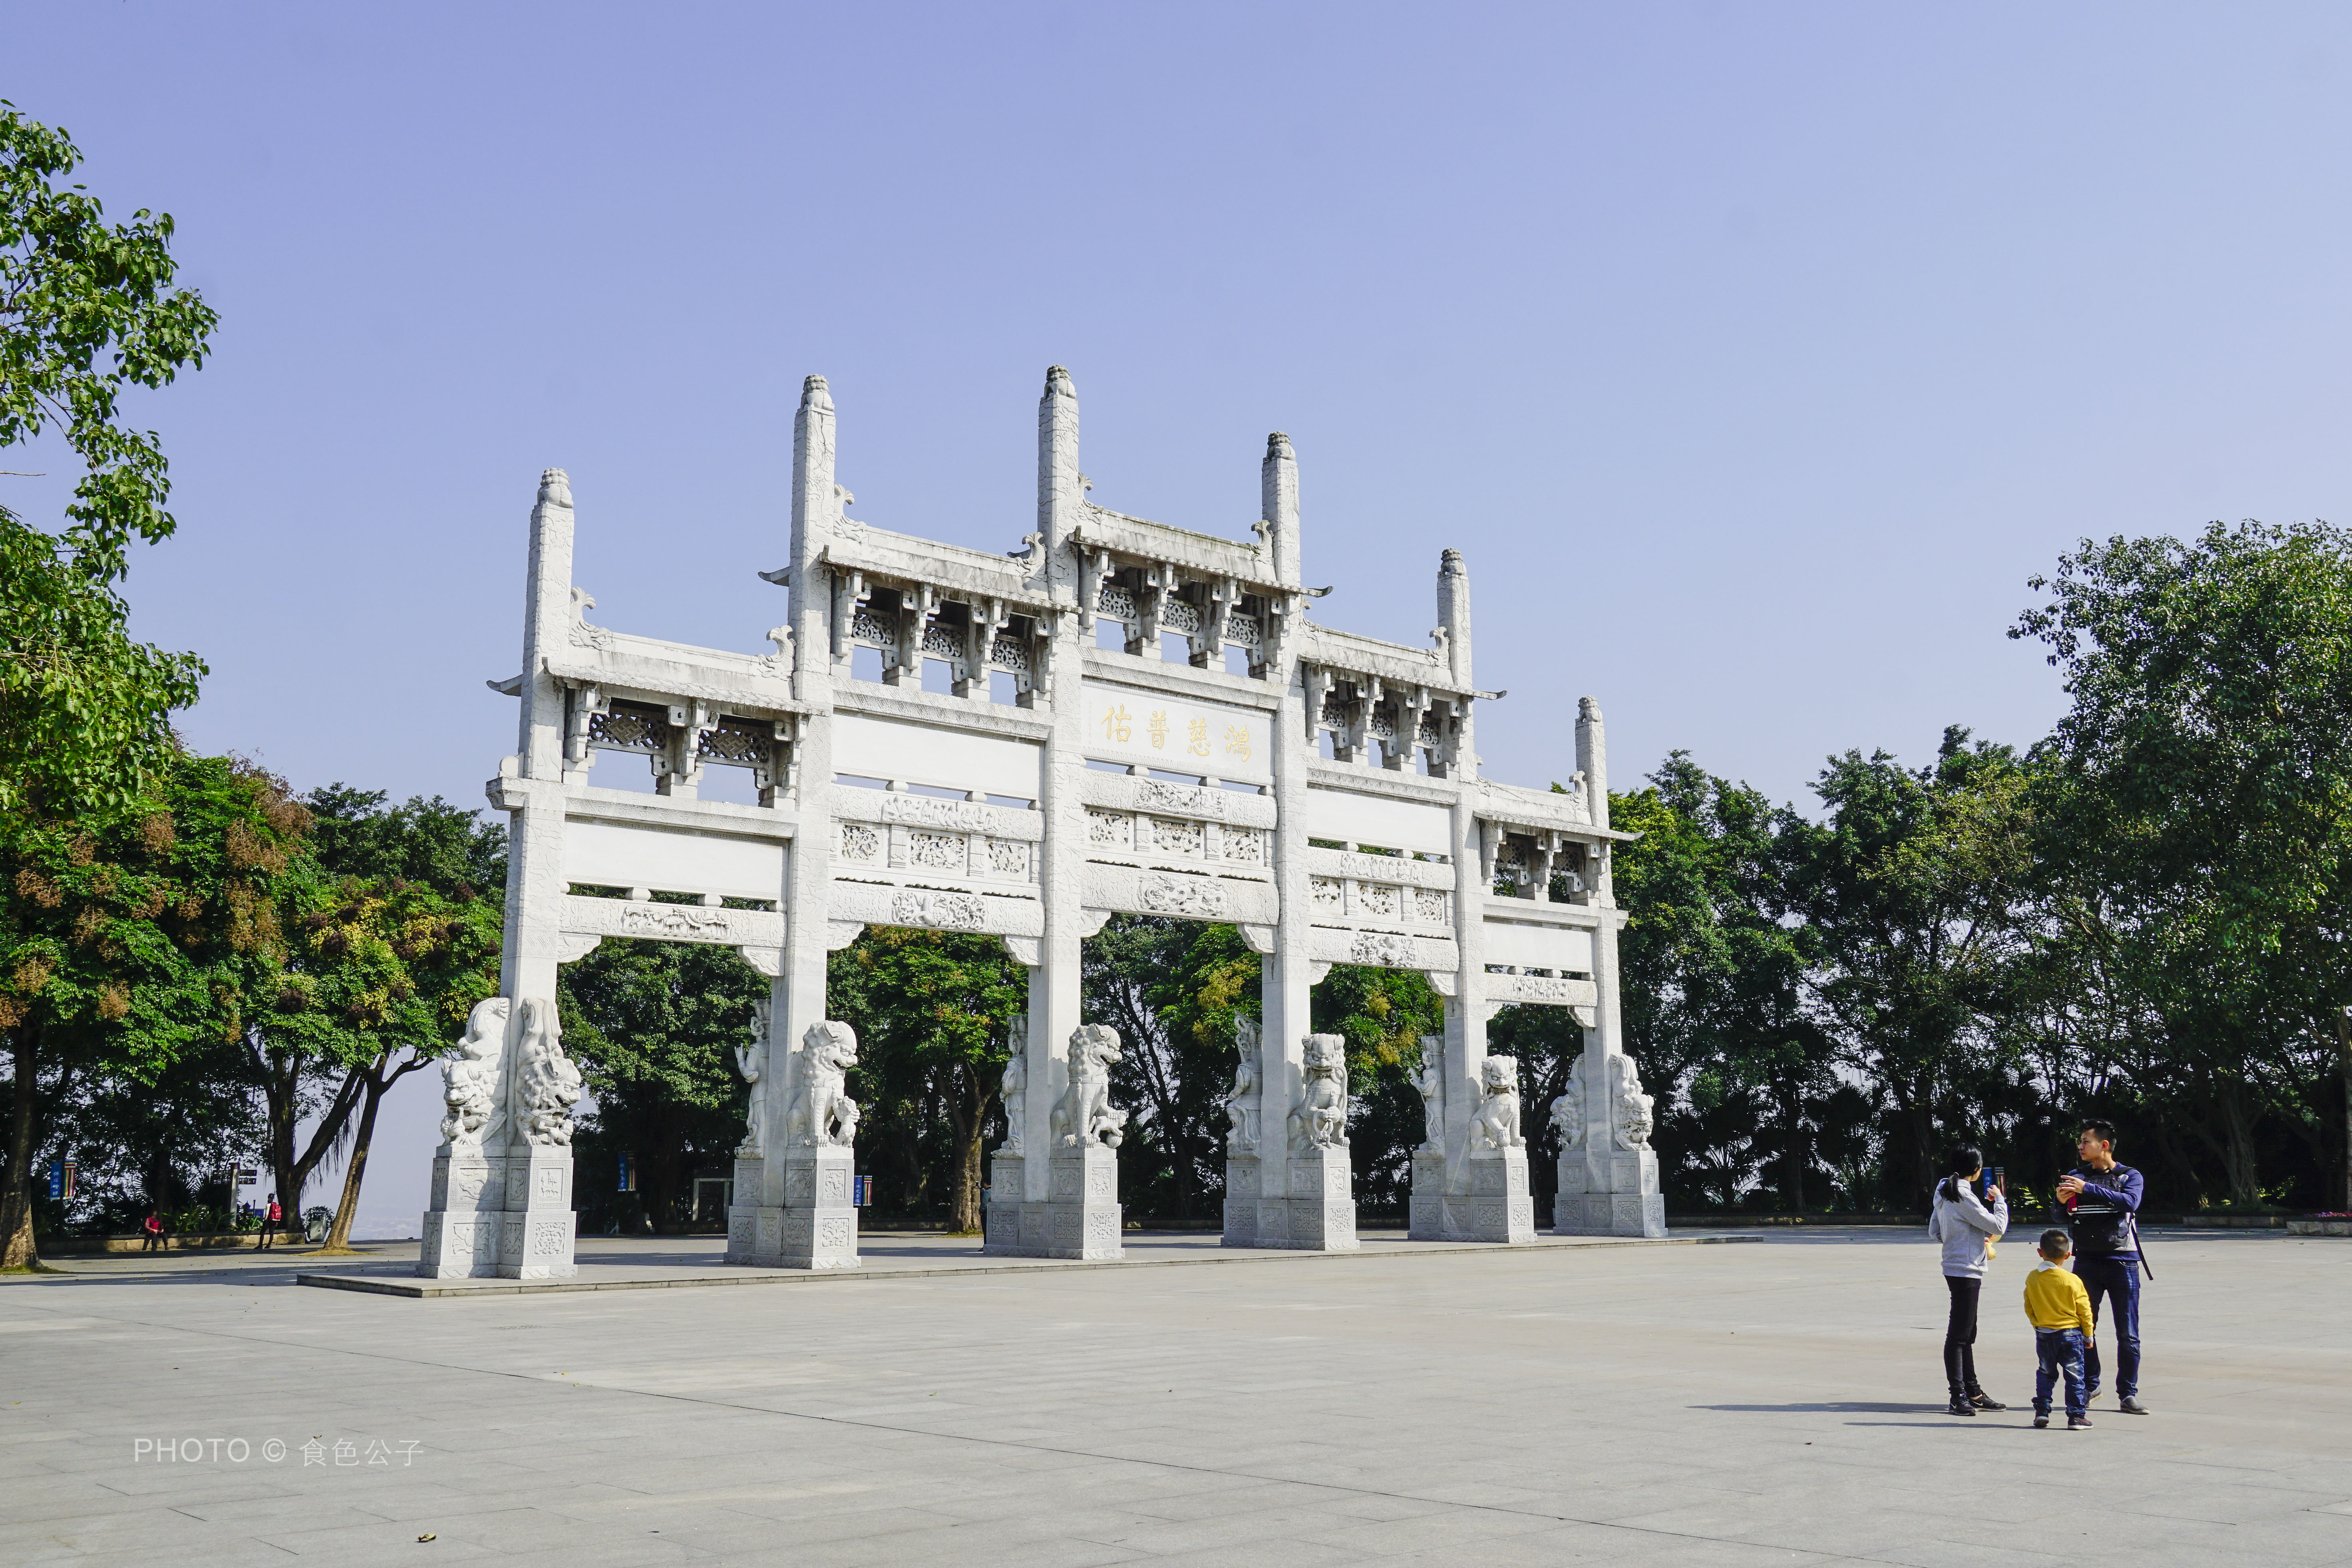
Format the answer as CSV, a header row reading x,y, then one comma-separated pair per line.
x,y
88,309
2202,809
1381,1014
1173,989
654,1027
379,984
933,1012
1916,892
131,942
1711,973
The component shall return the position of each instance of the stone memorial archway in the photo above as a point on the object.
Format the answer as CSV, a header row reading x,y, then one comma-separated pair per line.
x,y
1115,781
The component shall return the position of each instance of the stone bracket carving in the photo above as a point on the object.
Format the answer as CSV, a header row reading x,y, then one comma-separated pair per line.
x,y
571,946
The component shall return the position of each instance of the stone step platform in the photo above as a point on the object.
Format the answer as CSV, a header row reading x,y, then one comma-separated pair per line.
x,y
678,1262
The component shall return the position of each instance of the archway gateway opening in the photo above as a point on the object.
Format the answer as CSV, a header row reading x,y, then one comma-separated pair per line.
x,y
1115,779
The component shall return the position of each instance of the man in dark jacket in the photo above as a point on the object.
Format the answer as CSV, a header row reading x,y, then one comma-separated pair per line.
x,y
2102,1199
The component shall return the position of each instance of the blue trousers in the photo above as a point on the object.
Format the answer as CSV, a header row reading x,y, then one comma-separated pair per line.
x,y
2061,1352
2116,1281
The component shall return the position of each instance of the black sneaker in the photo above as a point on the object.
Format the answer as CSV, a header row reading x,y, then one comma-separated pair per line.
x,y
2130,1405
1984,1401
1960,1406
2040,1421
2078,1424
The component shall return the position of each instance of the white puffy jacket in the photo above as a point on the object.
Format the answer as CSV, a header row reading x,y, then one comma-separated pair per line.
x,y
1967,1228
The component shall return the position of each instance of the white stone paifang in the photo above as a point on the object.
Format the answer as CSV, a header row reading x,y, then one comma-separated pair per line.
x,y
1112,781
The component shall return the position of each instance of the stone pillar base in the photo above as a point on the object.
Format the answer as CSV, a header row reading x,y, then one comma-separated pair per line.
x,y
1080,1217
1000,1221
461,1230
1083,1214
1498,1207
743,1215
1612,1193
1318,1215
1427,1221
538,1230
1242,1189
815,1227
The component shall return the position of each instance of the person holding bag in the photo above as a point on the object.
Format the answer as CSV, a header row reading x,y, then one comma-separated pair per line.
x,y
2103,1198
1968,1228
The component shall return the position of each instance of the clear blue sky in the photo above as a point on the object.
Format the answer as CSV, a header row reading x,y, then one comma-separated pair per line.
x,y
1753,355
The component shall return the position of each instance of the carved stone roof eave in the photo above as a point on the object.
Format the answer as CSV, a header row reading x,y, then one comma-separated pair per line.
x,y
771,695
1202,555
1539,811
1394,664
959,572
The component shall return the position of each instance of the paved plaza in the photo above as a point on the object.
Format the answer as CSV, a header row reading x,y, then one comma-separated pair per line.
x,y
1774,1402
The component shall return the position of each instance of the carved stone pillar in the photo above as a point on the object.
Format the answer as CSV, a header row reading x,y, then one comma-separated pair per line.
x,y
1609,1176
1001,1233
1078,1214
820,1222
816,1224
1498,1207
1320,1206
1426,1220
460,1237
1242,1187
1083,1216
1492,1204
535,1239
1317,1210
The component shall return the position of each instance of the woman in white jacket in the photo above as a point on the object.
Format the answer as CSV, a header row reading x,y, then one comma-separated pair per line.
x,y
1968,1229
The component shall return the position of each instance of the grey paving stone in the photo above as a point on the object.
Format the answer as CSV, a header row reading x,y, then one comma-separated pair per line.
x,y
1767,1403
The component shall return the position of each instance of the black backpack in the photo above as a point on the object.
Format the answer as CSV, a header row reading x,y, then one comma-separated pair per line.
x,y
2100,1228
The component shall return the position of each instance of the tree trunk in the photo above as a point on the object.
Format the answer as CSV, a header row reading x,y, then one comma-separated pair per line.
x,y
281,1088
1923,1129
2344,1044
970,1125
2239,1165
16,1248
378,1083
1792,1121
281,1093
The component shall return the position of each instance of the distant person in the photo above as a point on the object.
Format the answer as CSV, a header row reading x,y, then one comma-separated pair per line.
x,y
152,1228
2102,1200
1968,1228
270,1219
2060,1311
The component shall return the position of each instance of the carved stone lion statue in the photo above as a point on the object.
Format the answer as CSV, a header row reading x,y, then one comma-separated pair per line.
x,y
1497,1123
469,1080
821,1115
1320,1121
547,1085
1430,1081
1244,1101
1085,1115
1568,1110
1633,1107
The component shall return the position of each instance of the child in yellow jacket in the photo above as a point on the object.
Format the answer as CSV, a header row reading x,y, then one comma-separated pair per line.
x,y
2060,1310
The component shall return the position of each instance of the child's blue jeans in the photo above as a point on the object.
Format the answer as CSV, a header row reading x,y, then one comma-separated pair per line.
x,y
2061,1353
